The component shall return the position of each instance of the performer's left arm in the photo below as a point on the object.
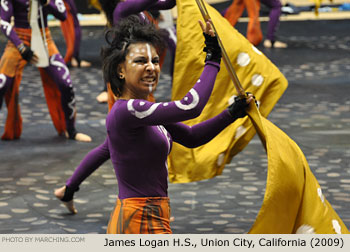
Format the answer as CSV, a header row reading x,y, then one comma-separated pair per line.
x,y
56,8
201,133
6,12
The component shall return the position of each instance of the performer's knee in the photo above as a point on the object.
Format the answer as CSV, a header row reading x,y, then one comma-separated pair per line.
x,y
61,72
65,85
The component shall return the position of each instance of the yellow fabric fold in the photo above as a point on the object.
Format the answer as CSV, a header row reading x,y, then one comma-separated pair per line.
x,y
257,73
293,201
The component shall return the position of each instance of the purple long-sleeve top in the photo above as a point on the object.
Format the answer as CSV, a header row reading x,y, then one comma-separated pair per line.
x,y
101,153
130,7
19,10
140,135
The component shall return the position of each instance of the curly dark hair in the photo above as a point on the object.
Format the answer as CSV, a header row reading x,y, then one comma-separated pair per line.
x,y
128,31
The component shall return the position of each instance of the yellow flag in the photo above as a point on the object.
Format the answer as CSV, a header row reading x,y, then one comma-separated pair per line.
x,y
257,73
293,201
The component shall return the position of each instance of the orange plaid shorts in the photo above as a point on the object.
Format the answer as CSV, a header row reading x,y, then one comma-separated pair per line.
x,y
149,215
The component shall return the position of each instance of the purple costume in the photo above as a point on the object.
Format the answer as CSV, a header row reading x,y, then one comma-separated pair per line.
x,y
130,7
94,159
57,69
100,154
19,10
140,135
274,17
77,29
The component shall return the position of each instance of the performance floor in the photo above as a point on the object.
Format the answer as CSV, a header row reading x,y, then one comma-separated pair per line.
x,y
314,111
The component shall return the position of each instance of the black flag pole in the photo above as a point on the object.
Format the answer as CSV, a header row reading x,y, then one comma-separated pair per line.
x,y
225,57
232,73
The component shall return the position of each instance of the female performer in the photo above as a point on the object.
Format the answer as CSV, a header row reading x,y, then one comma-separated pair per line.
x,y
115,10
140,133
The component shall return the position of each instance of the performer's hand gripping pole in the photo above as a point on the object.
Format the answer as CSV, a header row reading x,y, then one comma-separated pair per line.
x,y
226,59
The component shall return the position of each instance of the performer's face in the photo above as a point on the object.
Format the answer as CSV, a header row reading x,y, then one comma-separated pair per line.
x,y
141,70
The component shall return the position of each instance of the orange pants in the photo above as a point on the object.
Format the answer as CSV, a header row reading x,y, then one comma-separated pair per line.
x,y
67,27
11,65
235,11
140,216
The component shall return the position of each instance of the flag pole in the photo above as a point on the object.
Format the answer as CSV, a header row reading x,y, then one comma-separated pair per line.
x,y
43,27
225,57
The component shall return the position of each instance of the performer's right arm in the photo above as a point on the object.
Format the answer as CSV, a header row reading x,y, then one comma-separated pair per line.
x,y
6,12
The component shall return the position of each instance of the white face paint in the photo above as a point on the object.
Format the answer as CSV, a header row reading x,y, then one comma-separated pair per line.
x,y
150,62
142,68
149,56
